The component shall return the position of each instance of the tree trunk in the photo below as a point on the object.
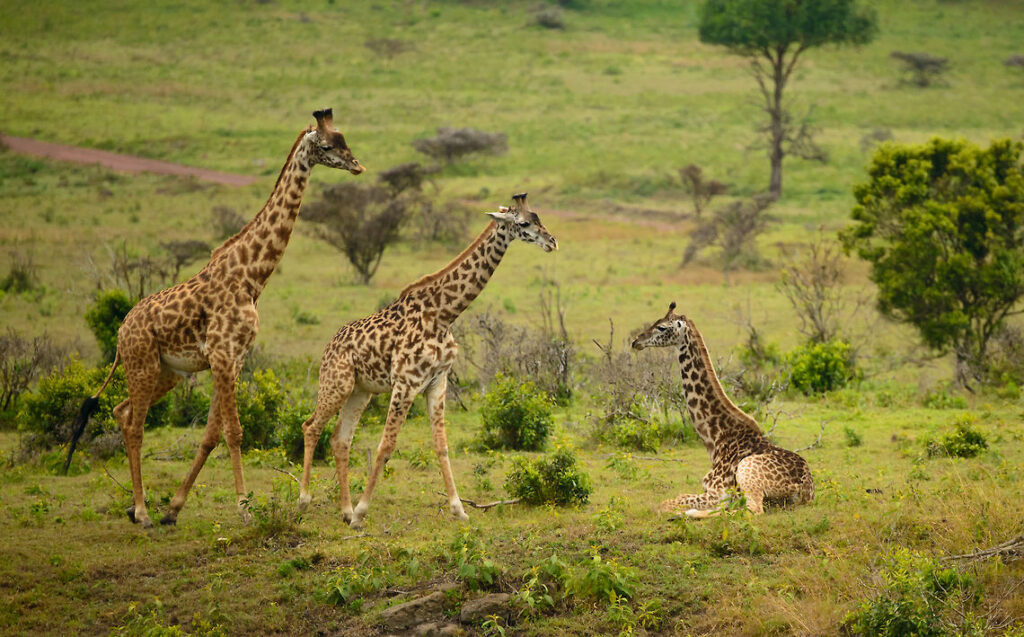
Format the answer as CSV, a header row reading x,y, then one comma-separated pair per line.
x,y
777,130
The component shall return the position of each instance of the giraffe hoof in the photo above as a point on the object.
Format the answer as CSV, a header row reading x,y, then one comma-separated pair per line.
x,y
169,520
130,512
347,516
147,523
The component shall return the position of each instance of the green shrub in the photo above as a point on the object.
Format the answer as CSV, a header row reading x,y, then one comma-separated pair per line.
x,y
636,434
515,416
261,403
853,438
469,556
602,580
292,438
919,597
185,406
816,368
104,318
552,479
965,442
48,412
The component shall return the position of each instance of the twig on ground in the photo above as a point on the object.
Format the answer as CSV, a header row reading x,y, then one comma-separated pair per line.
x,y
1008,551
484,506
123,487
352,537
817,441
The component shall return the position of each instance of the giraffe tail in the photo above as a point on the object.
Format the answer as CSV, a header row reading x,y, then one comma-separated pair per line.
x,y
88,407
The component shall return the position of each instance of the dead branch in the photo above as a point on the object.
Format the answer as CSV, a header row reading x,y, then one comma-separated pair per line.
x,y
1008,551
123,488
484,506
352,537
817,441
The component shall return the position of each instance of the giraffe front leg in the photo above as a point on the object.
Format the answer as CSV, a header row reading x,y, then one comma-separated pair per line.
x,y
690,502
435,396
401,400
211,436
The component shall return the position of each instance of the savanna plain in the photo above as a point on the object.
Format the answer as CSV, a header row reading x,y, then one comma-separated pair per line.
x,y
600,114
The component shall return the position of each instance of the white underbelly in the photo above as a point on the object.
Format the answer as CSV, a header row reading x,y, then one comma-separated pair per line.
x,y
184,364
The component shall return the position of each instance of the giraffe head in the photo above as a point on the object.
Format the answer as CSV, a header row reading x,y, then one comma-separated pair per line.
x,y
671,329
524,223
328,144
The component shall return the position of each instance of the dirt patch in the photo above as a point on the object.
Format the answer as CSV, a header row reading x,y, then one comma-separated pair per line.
x,y
120,163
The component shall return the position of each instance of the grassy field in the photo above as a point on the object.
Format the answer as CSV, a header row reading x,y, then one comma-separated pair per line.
x,y
599,116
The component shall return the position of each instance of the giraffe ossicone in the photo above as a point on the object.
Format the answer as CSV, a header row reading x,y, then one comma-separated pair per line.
x,y
210,322
741,456
407,348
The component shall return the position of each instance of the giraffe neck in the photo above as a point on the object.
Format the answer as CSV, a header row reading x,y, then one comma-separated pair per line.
x,y
254,252
450,290
714,416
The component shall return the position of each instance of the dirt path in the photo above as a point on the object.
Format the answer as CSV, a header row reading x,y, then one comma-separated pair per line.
x,y
118,162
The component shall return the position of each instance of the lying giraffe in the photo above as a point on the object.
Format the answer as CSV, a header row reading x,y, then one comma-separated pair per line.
x,y
740,454
407,348
210,322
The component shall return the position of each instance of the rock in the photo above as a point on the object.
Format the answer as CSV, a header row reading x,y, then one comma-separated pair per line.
x,y
403,616
437,629
476,610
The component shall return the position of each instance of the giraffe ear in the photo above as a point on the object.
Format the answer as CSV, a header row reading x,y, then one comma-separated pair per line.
x,y
679,324
503,214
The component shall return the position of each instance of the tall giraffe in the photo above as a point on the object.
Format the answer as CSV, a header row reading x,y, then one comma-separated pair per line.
x,y
210,322
740,454
407,348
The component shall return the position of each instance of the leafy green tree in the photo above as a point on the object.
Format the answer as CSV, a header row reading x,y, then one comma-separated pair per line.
x,y
104,318
942,225
772,35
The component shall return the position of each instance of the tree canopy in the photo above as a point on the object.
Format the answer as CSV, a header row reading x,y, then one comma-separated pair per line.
x,y
942,225
751,27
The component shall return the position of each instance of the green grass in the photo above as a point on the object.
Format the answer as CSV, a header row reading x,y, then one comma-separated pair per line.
x,y
598,117
791,571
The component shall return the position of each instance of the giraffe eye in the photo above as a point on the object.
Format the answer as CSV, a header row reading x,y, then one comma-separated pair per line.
x,y
523,224
326,147
661,328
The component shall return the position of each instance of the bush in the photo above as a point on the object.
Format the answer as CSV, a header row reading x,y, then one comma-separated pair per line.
x,y
633,430
451,144
104,318
292,438
734,229
921,69
817,368
47,413
21,362
549,18
185,406
917,597
23,275
226,222
261,403
469,556
515,416
965,442
552,479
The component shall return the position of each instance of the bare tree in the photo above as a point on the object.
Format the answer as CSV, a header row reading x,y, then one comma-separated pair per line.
x,y
182,253
226,222
734,229
451,144
23,274
137,275
921,69
22,361
361,221
388,48
700,189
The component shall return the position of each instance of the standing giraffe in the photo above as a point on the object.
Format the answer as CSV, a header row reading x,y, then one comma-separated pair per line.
x,y
407,348
740,454
210,322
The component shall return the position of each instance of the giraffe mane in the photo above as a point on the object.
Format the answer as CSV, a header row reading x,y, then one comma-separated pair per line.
x,y
426,280
238,235
716,385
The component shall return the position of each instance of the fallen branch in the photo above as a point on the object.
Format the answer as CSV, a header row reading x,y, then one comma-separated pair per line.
x,y
1008,551
123,488
817,441
484,506
352,537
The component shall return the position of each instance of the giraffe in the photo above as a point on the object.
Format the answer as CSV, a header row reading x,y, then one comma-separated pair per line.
x,y
210,322
740,453
407,348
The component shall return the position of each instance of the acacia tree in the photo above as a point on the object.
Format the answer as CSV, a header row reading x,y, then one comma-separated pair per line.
x,y
772,35
942,225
